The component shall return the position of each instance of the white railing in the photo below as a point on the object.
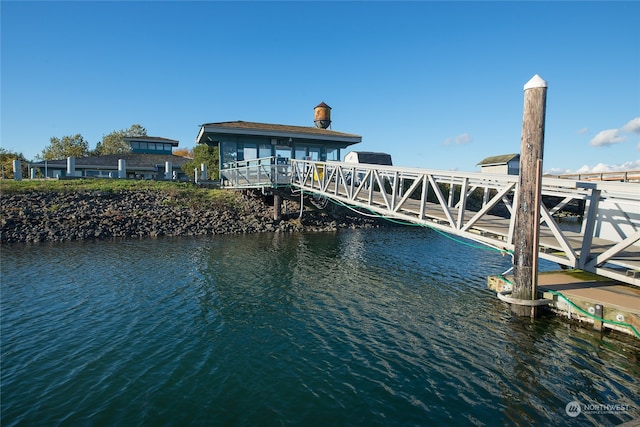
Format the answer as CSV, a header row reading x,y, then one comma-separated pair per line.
x,y
477,206
480,206
623,176
262,172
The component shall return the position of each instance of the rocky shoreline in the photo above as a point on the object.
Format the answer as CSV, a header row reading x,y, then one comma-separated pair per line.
x,y
59,216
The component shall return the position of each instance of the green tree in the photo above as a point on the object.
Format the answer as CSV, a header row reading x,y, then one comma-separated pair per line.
x,y
67,146
6,163
114,143
204,154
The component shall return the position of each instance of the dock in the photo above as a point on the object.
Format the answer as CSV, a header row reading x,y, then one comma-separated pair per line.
x,y
585,297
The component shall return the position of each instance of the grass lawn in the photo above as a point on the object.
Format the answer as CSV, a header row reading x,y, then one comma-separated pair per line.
x,y
184,192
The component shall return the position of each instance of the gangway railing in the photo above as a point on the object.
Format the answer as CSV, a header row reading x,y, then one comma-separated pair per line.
x,y
480,206
256,173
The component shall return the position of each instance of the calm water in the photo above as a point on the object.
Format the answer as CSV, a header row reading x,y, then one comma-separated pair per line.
x,y
356,328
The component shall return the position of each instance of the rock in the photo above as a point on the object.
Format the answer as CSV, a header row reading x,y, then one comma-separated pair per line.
x,y
53,216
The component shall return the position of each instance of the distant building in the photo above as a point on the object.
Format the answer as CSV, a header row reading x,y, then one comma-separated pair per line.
x,y
508,164
148,159
369,158
150,144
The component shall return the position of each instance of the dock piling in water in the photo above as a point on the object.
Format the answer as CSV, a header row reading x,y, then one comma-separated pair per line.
x,y
527,213
277,206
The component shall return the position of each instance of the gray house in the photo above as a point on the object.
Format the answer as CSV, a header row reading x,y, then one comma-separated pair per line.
x,y
508,164
242,144
148,159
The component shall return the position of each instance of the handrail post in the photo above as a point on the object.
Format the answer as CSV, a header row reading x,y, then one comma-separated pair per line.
x,y
588,226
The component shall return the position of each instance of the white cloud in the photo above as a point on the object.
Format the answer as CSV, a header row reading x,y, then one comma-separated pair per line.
x,y
558,171
633,126
599,168
582,131
607,137
463,138
602,167
615,136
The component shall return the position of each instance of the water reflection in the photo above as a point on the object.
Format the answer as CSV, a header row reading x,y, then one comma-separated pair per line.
x,y
362,327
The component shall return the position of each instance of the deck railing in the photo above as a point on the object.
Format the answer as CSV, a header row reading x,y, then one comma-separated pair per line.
x,y
256,173
477,206
625,176
480,206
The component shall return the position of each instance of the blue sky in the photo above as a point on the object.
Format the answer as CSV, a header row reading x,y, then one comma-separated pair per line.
x,y
438,85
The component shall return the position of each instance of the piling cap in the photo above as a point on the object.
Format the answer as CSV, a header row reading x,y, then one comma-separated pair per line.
x,y
536,81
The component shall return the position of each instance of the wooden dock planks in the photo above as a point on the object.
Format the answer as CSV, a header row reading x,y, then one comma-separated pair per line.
x,y
587,298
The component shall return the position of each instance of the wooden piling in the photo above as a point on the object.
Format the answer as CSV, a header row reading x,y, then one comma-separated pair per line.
x,y
277,206
527,223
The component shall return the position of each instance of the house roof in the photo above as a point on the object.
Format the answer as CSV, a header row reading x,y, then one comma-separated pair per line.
x,y
498,160
240,127
110,161
173,142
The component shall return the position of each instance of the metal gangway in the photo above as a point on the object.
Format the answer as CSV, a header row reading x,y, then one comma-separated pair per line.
x,y
476,206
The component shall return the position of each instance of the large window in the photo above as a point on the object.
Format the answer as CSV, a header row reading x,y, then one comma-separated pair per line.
x,y
146,147
229,154
264,150
283,152
250,152
333,154
301,153
315,153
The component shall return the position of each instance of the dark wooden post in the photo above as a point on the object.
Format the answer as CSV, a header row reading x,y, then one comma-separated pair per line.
x,y
277,207
527,210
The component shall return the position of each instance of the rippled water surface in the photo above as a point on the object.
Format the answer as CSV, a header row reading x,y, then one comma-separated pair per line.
x,y
357,328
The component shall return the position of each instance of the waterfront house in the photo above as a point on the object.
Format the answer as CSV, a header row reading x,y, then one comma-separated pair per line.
x,y
242,144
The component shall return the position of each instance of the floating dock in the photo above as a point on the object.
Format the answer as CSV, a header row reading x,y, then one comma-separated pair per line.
x,y
585,297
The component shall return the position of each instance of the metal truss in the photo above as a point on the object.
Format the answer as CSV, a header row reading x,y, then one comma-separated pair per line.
x,y
479,206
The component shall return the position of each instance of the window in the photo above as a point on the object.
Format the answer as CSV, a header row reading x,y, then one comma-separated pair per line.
x,y
264,150
283,152
314,153
229,154
250,151
301,153
333,154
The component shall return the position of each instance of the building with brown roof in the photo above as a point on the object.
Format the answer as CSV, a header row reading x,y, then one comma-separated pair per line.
x,y
241,141
149,158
